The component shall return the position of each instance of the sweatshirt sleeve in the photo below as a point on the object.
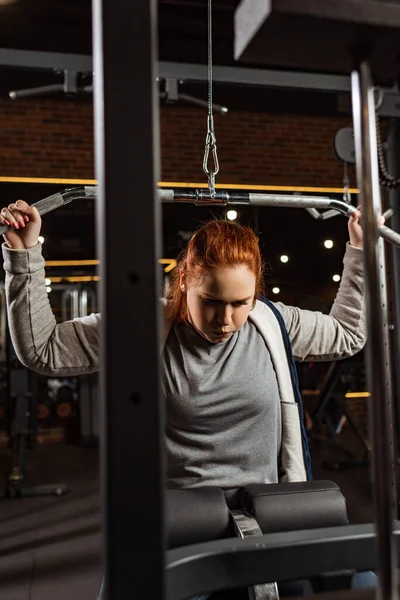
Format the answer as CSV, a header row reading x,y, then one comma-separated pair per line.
x,y
68,348
339,334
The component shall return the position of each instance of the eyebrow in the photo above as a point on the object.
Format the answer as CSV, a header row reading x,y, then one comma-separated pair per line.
x,y
233,301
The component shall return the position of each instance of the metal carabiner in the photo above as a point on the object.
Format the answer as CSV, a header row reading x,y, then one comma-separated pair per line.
x,y
211,173
211,144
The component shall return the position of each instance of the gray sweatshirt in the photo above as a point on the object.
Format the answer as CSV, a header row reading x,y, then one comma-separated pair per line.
x,y
73,347
223,414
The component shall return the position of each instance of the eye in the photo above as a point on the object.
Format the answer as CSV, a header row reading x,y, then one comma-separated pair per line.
x,y
209,301
240,304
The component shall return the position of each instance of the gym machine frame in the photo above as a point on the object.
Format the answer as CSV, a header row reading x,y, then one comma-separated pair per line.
x,y
130,399
132,418
228,564
195,73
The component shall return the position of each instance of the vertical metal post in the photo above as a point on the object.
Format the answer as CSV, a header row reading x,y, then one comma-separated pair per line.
x,y
129,243
393,163
378,363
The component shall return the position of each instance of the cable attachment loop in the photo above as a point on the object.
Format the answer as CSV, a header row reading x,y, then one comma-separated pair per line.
x,y
211,146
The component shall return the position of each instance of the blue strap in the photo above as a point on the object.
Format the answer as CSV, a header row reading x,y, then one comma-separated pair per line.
x,y
295,384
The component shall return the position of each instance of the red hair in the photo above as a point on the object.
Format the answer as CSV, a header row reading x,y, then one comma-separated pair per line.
x,y
216,244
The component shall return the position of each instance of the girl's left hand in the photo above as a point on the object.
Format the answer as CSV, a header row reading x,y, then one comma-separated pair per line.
x,y
355,229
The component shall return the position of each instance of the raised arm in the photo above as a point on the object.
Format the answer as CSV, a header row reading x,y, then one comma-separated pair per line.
x,y
69,348
342,333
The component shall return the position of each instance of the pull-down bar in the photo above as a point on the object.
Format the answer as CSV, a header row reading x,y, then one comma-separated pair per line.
x,y
202,197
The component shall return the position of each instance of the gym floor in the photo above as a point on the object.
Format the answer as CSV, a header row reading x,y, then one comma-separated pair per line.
x,y
50,547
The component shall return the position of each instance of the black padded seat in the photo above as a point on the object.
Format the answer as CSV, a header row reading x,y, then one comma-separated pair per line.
x,y
295,506
196,515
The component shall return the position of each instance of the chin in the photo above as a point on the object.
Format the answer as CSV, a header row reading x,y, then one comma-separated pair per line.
x,y
217,340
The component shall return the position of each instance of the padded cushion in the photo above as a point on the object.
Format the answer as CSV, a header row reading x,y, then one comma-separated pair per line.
x,y
295,506
196,515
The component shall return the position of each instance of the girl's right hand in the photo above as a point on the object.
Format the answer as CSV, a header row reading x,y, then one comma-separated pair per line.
x,y
24,223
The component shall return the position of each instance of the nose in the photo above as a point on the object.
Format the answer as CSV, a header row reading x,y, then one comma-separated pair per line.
x,y
224,316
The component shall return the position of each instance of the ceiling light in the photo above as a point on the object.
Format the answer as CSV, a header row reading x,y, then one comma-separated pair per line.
x,y
284,258
48,289
336,278
231,215
276,290
328,244
47,281
40,238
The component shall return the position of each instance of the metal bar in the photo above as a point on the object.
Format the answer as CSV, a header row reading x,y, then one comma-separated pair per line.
x,y
231,563
378,364
29,59
193,72
246,526
225,197
37,91
255,77
230,197
59,199
389,235
274,79
202,197
127,148
291,201
186,71
393,163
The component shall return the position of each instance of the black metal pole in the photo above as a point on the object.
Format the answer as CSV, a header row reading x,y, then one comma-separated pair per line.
x,y
129,245
393,163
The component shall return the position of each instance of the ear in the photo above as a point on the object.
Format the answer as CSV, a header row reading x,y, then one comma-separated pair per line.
x,y
182,280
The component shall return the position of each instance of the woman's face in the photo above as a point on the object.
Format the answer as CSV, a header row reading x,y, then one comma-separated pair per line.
x,y
220,303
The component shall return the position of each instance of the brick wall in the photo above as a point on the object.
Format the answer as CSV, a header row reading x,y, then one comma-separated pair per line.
x,y
53,138
46,138
253,147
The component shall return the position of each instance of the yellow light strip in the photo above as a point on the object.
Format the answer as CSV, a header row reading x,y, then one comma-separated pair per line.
x,y
71,263
267,188
357,395
170,262
62,181
82,278
180,184
74,279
